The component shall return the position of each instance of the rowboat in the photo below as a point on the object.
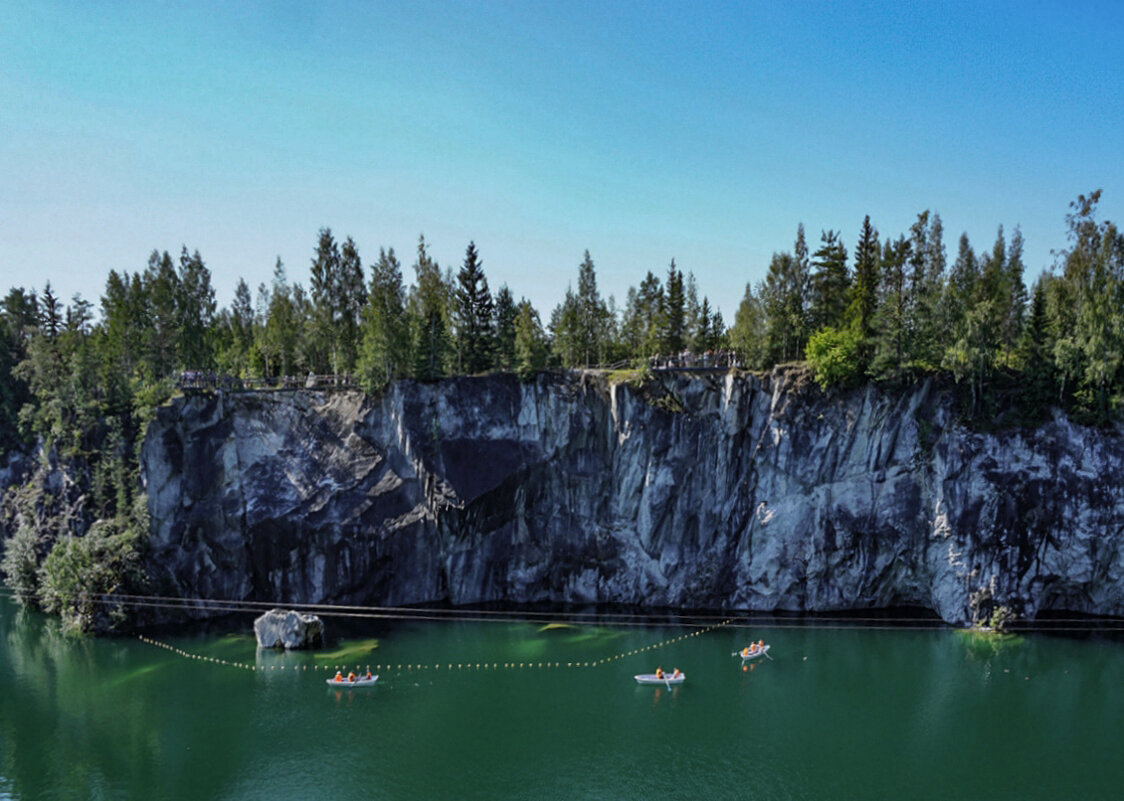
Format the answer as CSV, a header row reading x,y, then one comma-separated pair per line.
x,y
364,682
667,678
753,653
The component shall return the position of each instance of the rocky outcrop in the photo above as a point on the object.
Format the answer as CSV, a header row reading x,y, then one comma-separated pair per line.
x,y
290,629
716,492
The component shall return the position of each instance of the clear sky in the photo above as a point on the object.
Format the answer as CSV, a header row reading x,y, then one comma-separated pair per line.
x,y
639,131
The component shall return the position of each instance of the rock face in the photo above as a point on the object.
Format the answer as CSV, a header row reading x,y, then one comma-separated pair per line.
x,y
716,492
280,629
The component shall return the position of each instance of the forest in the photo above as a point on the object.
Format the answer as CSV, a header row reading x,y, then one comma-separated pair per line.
x,y
892,310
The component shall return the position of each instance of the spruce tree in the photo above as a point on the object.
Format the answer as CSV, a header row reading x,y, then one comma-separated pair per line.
x,y
429,318
474,315
195,312
865,290
675,306
830,283
349,296
323,335
385,344
506,312
591,311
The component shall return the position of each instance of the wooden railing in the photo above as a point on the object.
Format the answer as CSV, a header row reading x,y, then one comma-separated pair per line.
x,y
206,379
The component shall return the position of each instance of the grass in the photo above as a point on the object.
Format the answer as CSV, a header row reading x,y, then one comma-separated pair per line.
x,y
631,377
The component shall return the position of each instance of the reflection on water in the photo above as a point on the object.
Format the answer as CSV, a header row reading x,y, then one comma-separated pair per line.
x,y
834,714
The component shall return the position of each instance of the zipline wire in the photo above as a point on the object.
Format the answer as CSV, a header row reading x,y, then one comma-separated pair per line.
x,y
756,621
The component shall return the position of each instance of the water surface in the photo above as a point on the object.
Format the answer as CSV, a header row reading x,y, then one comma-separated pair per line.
x,y
837,713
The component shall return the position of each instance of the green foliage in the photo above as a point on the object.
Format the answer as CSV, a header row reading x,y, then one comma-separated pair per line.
x,y
430,312
830,283
506,313
531,346
385,347
475,335
783,300
20,564
834,355
81,574
748,334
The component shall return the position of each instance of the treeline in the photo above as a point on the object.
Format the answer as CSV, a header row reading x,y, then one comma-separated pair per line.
x,y
899,310
893,310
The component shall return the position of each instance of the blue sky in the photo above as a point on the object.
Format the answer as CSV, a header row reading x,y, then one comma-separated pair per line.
x,y
638,131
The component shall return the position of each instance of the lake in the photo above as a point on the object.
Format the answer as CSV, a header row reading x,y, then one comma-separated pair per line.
x,y
839,711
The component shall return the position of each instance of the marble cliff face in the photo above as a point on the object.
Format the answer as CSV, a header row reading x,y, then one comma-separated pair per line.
x,y
712,492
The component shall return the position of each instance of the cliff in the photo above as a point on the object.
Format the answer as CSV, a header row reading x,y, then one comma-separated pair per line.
x,y
719,492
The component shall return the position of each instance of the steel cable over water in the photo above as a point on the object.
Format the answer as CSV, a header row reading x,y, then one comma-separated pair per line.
x,y
634,619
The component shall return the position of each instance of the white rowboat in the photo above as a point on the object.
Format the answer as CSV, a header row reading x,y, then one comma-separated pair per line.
x,y
753,654
667,678
357,683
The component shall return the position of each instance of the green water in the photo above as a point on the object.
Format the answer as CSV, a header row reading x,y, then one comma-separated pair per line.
x,y
836,714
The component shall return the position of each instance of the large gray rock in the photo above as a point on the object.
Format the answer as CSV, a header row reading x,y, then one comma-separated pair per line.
x,y
280,629
720,492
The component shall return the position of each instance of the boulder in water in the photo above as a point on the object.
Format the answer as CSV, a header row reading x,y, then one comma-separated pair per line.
x,y
278,628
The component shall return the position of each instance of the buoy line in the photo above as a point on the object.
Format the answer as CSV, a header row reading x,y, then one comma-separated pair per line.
x,y
447,666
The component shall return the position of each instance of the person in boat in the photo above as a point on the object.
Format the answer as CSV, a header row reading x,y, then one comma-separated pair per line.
x,y
676,674
659,673
338,676
351,676
369,675
748,650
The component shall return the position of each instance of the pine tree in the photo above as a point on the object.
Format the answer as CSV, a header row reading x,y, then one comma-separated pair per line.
x,y
280,332
50,313
158,293
961,291
675,305
1035,351
924,290
195,312
429,316
830,283
385,345
783,298
865,291
748,336
1015,306
349,296
592,314
694,317
474,315
323,334
566,330
242,328
892,314
530,341
506,312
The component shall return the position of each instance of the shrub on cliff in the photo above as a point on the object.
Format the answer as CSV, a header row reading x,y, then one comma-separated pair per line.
x,y
834,356
20,564
81,575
